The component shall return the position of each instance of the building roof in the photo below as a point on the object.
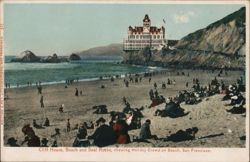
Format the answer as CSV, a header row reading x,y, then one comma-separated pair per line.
x,y
146,18
152,29
139,29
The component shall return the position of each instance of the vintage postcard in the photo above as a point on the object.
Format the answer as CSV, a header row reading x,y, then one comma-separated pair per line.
x,y
124,80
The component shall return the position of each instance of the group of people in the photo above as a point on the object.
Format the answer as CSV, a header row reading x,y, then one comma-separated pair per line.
x,y
77,93
237,100
71,81
116,131
136,79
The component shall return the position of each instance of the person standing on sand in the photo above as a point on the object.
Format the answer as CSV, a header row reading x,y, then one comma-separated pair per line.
x,y
68,126
41,102
174,82
76,93
155,85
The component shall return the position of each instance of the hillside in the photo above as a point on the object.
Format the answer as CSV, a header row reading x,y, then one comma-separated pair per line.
x,y
220,44
226,35
109,50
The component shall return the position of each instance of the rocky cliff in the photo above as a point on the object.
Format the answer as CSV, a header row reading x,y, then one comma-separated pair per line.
x,y
220,44
226,35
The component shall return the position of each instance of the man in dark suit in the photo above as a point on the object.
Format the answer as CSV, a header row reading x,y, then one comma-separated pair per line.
x,y
103,135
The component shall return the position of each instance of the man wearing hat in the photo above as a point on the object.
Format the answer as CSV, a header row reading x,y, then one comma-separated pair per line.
x,y
30,137
103,135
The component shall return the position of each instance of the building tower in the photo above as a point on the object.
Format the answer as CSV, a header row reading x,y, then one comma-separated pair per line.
x,y
146,23
140,37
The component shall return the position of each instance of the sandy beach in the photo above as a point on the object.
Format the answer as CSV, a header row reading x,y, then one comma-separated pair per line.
x,y
210,116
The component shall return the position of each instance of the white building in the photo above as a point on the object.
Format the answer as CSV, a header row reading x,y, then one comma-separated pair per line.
x,y
140,37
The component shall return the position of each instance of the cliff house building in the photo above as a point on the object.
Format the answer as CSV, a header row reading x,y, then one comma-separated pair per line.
x,y
140,37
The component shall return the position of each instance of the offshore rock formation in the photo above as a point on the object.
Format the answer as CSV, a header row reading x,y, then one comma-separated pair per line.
x,y
55,59
74,57
29,57
26,56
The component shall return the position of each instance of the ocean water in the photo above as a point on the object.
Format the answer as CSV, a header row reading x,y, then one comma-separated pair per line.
x,y
50,73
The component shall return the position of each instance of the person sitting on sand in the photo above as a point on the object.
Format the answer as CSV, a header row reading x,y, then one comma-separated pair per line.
x,y
44,142
100,109
54,144
120,128
12,142
129,118
30,137
80,140
237,99
172,110
82,132
145,132
188,134
46,123
103,135
61,108
163,86
155,85
124,100
239,108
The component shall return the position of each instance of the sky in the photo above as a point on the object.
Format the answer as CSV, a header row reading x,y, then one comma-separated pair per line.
x,y
67,28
